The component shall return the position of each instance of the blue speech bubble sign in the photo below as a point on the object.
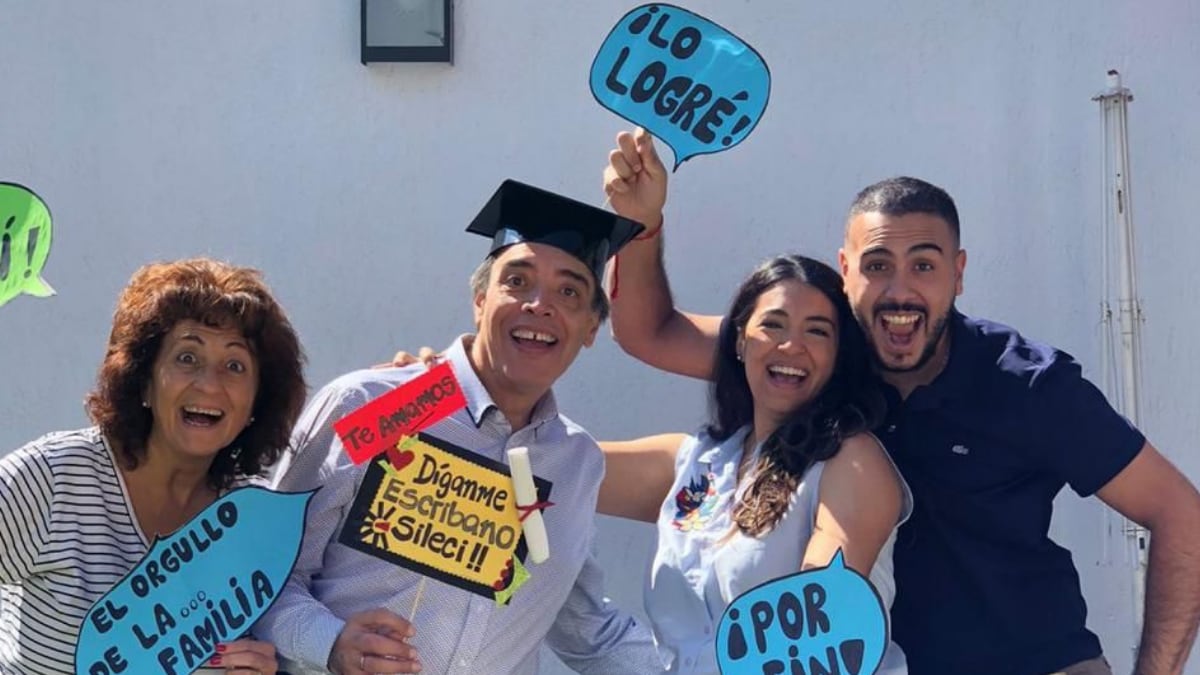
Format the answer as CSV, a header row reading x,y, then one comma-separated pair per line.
x,y
827,620
205,584
688,81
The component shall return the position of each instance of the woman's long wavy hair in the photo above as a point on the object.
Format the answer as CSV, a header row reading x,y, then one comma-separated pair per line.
x,y
850,402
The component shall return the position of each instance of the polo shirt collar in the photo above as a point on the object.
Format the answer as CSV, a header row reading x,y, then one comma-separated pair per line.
x,y
479,401
954,381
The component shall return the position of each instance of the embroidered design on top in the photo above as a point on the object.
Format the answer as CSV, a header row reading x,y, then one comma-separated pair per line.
x,y
695,503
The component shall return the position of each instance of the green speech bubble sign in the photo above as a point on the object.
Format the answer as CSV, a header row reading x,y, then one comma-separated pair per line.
x,y
25,235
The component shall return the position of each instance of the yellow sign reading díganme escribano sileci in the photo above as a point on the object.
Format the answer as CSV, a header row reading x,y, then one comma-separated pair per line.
x,y
445,512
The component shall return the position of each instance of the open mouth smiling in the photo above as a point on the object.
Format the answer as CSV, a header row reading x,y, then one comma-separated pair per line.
x,y
199,416
787,375
900,327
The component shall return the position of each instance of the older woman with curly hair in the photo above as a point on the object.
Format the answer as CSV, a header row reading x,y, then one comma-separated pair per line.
x,y
200,385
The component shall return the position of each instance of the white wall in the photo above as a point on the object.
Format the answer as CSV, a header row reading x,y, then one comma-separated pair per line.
x,y
250,131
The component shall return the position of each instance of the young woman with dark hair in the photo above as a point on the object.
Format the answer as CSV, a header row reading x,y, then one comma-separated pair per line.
x,y
785,474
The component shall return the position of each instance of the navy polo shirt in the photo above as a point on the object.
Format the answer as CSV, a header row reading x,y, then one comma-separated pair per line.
x,y
985,447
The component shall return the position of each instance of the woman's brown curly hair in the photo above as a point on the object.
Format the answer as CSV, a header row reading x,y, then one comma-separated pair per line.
x,y
216,294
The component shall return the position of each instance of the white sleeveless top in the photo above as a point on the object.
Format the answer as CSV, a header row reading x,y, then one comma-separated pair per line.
x,y
693,580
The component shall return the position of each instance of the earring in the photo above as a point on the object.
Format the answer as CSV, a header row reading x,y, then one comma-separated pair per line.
x,y
145,404
250,421
235,453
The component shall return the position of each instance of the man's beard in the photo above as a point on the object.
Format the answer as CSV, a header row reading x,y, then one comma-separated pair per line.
x,y
935,338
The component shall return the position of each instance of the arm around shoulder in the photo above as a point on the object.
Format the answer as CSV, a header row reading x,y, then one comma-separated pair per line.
x,y
860,502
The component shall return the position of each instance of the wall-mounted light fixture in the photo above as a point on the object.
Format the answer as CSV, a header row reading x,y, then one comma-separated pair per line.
x,y
407,30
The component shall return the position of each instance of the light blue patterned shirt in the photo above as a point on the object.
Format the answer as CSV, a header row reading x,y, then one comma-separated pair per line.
x,y
697,572
456,631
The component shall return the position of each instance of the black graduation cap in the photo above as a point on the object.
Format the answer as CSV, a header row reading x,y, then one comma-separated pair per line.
x,y
523,213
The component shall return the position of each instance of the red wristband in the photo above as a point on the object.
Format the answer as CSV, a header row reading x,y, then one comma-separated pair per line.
x,y
649,234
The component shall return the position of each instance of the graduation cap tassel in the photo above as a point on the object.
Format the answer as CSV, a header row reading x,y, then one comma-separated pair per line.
x,y
616,275
616,267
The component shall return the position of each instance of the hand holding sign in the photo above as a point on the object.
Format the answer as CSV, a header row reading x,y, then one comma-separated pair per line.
x,y
374,642
204,585
635,179
689,81
827,620
25,235
244,655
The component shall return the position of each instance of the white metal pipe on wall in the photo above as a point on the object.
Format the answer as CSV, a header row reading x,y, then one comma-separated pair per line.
x,y
1125,391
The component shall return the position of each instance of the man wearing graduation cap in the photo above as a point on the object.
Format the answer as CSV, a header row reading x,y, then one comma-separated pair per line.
x,y
537,301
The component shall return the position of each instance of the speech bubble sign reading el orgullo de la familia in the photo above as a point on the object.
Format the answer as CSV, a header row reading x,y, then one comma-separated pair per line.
x,y
816,622
205,584
688,81
25,235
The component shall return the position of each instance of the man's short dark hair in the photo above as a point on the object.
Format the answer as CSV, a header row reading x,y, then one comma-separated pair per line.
x,y
903,195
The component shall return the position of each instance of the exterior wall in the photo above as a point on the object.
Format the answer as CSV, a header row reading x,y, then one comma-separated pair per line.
x,y
250,131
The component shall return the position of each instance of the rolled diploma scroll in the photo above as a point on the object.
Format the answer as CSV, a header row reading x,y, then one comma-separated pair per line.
x,y
526,494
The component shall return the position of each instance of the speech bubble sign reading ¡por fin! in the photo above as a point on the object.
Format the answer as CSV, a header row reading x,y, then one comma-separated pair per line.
x,y
821,620
205,584
25,235
688,81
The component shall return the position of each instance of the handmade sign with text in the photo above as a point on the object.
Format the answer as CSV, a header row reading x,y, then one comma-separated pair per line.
x,y
688,81
821,621
25,236
205,584
444,512
377,426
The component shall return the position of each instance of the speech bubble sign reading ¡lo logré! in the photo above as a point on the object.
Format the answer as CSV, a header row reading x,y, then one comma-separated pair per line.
x,y
25,235
205,584
695,85
816,622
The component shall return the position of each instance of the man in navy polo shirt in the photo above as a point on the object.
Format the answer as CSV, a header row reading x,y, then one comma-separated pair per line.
x,y
987,426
